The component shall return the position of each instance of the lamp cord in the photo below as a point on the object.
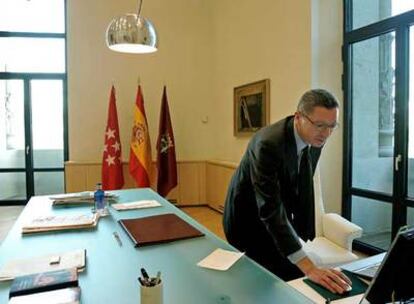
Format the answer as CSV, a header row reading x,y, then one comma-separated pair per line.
x,y
139,8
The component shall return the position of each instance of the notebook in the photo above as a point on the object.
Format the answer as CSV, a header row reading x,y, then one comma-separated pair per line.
x,y
44,281
158,229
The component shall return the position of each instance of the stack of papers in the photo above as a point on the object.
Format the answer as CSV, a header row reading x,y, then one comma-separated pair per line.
x,y
136,205
79,198
54,222
57,261
69,295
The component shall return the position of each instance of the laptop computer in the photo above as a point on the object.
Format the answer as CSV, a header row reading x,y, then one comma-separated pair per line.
x,y
365,268
367,272
392,280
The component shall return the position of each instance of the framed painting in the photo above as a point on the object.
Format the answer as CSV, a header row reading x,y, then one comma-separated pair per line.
x,y
251,107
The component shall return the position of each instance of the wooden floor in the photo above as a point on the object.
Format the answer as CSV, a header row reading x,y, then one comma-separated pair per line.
x,y
212,220
208,218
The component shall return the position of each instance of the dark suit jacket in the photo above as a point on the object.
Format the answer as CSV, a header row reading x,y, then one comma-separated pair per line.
x,y
262,194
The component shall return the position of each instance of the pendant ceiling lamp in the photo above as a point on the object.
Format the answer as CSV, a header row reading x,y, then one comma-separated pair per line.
x,y
132,33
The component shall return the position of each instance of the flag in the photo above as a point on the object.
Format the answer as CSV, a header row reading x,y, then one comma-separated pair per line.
x,y
166,162
112,176
140,152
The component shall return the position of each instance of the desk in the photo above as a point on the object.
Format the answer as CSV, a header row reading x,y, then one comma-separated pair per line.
x,y
112,271
306,290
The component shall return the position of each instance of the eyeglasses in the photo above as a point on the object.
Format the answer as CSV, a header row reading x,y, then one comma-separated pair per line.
x,y
320,126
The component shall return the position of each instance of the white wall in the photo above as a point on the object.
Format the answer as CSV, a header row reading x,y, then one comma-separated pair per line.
x,y
183,63
206,49
256,40
326,73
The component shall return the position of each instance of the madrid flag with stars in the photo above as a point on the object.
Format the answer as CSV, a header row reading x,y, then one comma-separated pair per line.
x,y
140,153
112,176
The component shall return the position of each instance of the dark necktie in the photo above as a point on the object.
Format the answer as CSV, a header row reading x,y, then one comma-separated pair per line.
x,y
305,215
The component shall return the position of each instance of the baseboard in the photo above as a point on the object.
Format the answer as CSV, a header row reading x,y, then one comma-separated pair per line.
x,y
190,205
220,209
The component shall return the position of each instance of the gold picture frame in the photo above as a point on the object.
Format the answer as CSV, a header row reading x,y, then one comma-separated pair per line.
x,y
251,107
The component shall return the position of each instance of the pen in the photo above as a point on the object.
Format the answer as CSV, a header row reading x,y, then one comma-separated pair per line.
x,y
141,281
158,279
117,238
144,274
328,301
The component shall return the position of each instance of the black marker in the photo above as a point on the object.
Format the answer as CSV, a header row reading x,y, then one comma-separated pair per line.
x,y
144,274
141,281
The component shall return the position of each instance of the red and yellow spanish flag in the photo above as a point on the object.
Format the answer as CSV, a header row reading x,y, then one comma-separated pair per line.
x,y
140,152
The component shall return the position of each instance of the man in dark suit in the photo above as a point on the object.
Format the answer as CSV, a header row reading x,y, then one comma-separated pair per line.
x,y
269,203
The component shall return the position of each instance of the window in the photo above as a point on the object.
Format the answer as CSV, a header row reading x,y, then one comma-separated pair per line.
x,y
379,118
33,120
365,12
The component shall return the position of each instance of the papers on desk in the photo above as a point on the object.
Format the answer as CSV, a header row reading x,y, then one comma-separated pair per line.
x,y
86,197
57,261
220,259
69,295
65,222
136,205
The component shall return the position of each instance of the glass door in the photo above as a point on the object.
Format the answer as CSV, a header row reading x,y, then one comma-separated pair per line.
x,y
32,149
12,142
33,86
47,136
373,108
410,179
378,184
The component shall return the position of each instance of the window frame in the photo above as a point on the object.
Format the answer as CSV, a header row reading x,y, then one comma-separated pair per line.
x,y
26,78
399,199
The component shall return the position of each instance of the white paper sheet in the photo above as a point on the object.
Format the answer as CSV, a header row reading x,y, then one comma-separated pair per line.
x,y
220,259
19,267
136,205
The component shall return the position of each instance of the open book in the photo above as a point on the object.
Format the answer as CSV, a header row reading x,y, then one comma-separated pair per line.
x,y
61,222
85,197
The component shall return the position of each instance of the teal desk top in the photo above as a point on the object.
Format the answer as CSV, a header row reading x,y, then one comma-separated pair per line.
x,y
112,270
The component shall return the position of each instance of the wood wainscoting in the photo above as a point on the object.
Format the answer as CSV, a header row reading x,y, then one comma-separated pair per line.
x,y
200,182
218,175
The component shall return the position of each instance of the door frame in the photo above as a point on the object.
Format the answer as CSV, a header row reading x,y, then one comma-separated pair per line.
x,y
399,199
29,169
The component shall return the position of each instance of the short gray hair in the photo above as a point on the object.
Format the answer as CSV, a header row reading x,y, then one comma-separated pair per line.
x,y
316,98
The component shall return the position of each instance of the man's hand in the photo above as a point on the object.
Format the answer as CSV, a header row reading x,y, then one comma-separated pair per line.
x,y
332,279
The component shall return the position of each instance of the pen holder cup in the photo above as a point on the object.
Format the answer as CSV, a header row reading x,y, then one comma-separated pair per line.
x,y
151,294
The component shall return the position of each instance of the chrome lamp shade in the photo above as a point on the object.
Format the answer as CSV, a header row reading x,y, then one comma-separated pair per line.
x,y
131,33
